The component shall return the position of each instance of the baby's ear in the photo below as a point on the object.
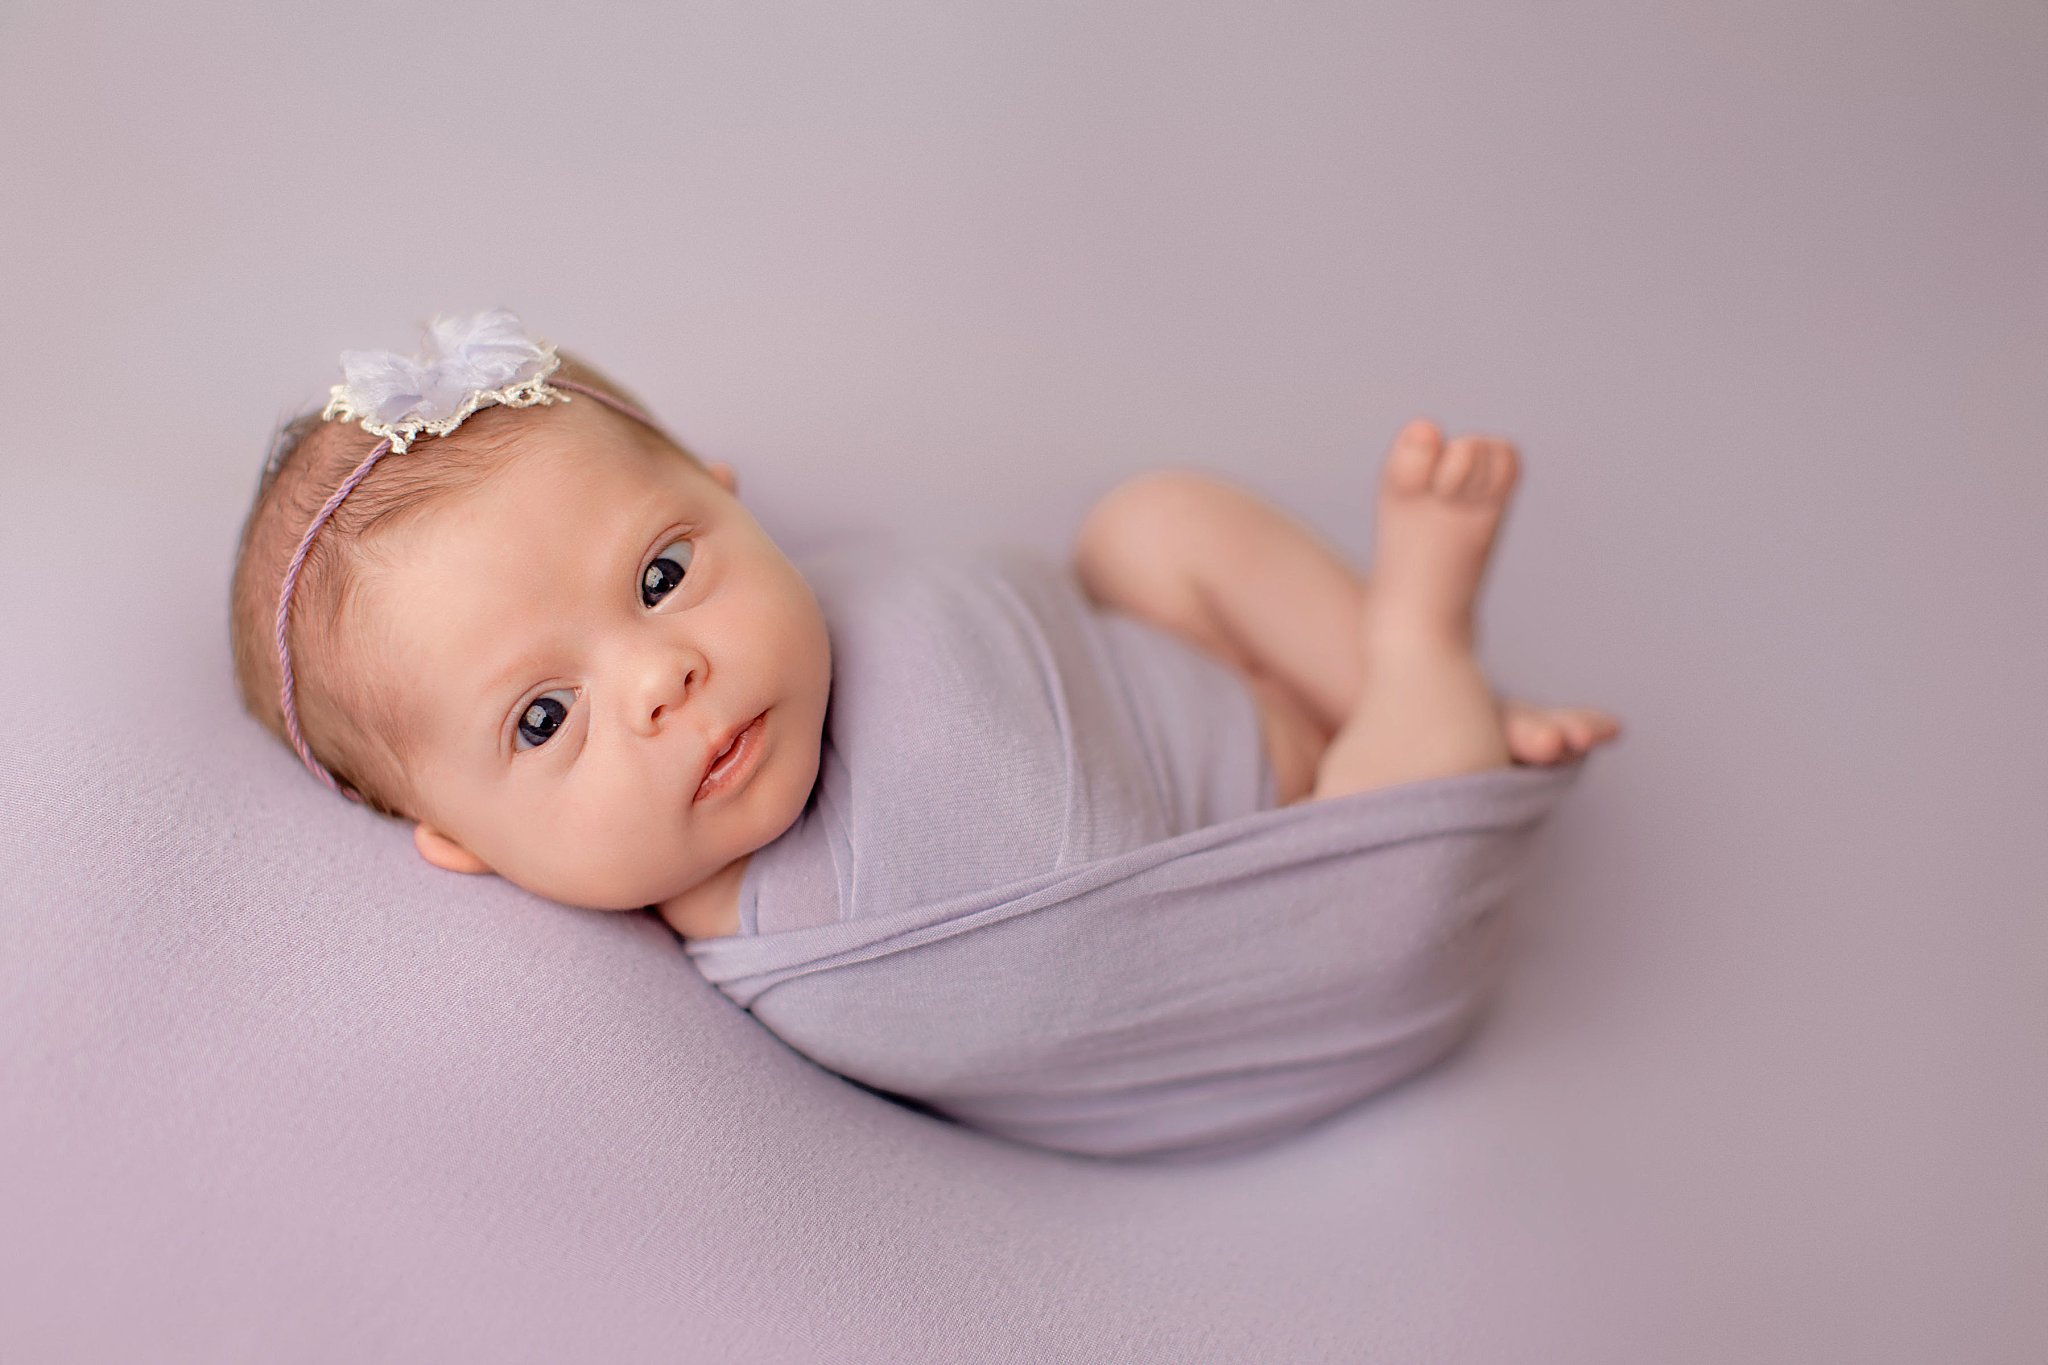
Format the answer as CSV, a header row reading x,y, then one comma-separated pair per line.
x,y
724,474
442,851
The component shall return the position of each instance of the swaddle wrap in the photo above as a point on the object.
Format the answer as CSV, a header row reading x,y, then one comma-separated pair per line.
x,y
1042,886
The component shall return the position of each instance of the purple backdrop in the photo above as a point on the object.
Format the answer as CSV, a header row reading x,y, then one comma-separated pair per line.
x,y
1760,289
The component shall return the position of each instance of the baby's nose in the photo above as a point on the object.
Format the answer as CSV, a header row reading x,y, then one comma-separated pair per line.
x,y
668,687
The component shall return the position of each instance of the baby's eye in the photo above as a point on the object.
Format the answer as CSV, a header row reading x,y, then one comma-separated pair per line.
x,y
542,717
665,571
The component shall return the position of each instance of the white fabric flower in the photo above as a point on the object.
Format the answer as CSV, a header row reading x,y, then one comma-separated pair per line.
x,y
470,363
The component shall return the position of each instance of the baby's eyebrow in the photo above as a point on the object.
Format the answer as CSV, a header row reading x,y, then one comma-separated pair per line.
x,y
521,665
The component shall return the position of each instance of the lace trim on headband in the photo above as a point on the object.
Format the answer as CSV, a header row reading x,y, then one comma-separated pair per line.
x,y
526,393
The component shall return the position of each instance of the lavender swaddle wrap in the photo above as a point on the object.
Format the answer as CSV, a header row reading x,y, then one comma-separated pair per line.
x,y
1042,886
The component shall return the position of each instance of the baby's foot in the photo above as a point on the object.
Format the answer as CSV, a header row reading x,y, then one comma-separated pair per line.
x,y
1426,709
1541,735
1439,510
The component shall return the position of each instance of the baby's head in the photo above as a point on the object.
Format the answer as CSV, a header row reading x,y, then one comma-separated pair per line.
x,y
530,637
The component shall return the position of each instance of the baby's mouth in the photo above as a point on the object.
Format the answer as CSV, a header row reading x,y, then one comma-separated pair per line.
x,y
740,753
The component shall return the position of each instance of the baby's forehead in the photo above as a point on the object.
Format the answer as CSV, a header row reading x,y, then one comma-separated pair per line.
x,y
551,479
535,519
537,545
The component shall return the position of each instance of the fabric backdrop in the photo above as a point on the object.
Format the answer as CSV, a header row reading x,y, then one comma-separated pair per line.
x,y
1760,290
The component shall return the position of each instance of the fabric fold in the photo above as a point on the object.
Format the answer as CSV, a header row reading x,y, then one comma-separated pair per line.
x,y
1214,991
1042,888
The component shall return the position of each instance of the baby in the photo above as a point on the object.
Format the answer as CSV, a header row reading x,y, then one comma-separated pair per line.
x,y
556,642
1174,848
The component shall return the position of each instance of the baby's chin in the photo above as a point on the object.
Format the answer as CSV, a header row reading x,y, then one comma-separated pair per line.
x,y
595,892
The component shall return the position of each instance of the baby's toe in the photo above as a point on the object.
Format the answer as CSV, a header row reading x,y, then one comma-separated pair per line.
x,y
1506,469
1533,737
1463,463
1413,461
1584,727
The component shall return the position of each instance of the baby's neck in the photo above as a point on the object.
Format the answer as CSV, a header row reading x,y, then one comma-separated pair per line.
x,y
711,908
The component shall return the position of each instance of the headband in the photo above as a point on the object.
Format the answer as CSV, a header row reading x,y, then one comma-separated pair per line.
x,y
470,363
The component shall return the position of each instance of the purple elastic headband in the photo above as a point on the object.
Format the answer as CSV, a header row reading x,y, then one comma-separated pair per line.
x,y
471,363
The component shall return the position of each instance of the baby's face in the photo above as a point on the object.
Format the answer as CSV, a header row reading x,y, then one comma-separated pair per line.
x,y
575,641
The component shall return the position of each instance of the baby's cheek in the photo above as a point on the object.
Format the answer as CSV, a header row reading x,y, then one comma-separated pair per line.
x,y
572,854
598,857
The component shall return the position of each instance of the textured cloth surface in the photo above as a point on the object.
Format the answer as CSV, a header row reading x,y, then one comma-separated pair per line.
x,y
1042,886
987,724
1755,287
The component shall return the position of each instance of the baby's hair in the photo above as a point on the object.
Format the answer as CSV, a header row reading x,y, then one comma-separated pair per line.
x,y
349,719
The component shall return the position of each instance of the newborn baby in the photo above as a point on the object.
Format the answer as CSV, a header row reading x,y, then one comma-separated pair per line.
x,y
557,644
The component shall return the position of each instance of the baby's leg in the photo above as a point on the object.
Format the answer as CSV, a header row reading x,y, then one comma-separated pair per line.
x,y
1263,592
1424,709
1216,564
1277,601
